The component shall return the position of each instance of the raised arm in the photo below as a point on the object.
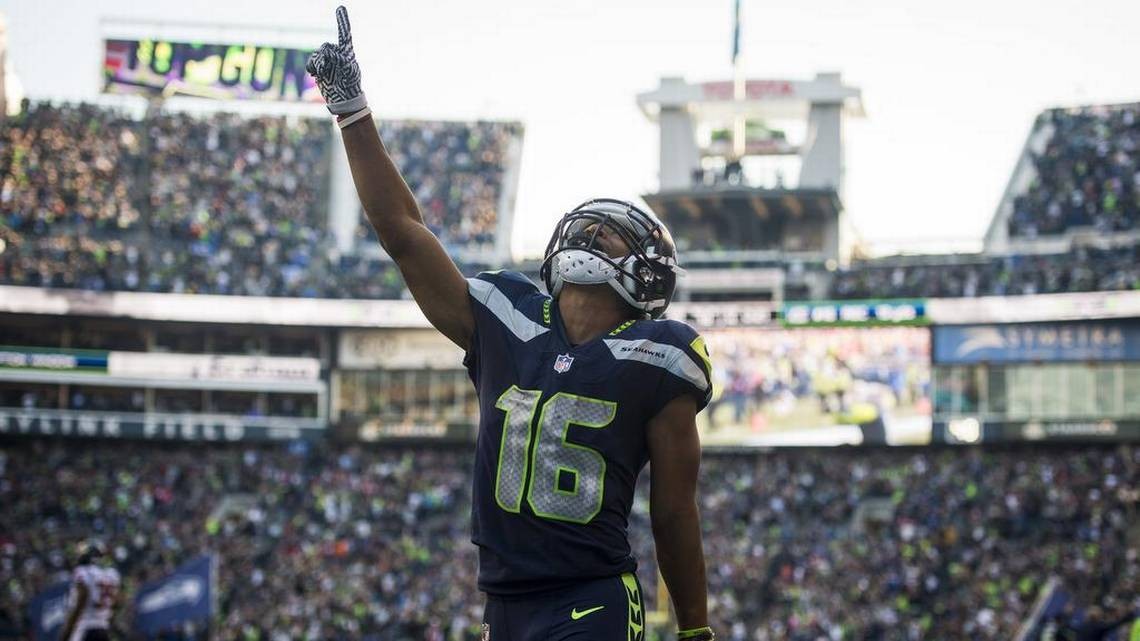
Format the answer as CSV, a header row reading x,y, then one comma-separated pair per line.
x,y
675,460
434,280
77,607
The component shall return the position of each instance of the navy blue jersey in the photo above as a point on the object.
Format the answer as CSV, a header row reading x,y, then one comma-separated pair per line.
x,y
562,433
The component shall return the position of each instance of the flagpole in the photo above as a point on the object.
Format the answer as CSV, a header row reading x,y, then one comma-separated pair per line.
x,y
738,89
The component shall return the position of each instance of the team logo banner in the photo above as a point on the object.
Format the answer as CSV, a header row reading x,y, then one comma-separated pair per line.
x,y
185,596
48,612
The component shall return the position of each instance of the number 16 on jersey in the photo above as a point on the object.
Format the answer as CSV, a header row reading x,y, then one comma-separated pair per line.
x,y
566,480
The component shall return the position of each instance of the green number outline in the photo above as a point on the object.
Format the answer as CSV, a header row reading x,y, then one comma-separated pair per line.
x,y
558,469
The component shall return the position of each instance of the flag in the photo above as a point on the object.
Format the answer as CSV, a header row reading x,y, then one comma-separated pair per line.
x,y
48,612
187,595
736,32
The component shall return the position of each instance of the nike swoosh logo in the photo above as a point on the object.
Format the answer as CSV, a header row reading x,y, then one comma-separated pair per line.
x,y
575,614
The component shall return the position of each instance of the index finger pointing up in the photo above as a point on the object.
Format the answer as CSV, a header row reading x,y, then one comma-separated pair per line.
x,y
343,29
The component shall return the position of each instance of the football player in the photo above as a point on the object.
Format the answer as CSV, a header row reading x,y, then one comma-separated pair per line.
x,y
93,595
577,390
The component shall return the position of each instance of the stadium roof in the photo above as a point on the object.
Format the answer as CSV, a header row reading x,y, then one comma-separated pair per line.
x,y
762,203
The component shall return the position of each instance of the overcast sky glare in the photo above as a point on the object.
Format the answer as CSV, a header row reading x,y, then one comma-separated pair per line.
x,y
950,87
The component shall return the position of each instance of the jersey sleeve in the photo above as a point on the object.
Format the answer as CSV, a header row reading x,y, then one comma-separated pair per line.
x,y
689,369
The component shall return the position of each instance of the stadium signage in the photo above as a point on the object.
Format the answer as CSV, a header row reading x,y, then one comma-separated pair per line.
x,y
1032,342
753,89
52,359
374,429
854,313
1078,430
1037,308
187,427
398,349
373,314
221,71
709,315
204,367
208,308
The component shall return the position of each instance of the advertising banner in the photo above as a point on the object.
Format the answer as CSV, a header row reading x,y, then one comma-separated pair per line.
x,y
242,71
705,315
1033,342
854,313
186,596
398,349
1034,308
57,360
206,367
969,430
211,308
316,312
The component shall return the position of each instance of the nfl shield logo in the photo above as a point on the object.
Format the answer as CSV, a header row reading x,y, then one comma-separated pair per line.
x,y
562,363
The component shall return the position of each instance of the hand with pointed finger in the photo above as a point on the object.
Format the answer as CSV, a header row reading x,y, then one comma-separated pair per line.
x,y
334,68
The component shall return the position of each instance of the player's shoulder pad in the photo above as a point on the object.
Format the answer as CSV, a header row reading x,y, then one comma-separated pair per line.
x,y
510,282
669,344
513,300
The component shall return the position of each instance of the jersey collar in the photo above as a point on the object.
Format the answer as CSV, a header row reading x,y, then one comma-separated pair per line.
x,y
553,317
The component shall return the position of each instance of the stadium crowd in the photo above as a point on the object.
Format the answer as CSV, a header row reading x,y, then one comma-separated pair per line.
x,y
1082,270
971,537
1087,176
344,542
235,205
221,204
91,198
456,171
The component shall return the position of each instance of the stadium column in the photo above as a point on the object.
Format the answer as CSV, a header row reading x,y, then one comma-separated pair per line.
x,y
823,159
679,155
344,204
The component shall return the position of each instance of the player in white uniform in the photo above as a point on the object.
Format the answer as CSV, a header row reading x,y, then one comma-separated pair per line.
x,y
93,597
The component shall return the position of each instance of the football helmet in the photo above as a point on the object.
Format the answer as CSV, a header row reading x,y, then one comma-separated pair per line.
x,y
89,551
645,278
